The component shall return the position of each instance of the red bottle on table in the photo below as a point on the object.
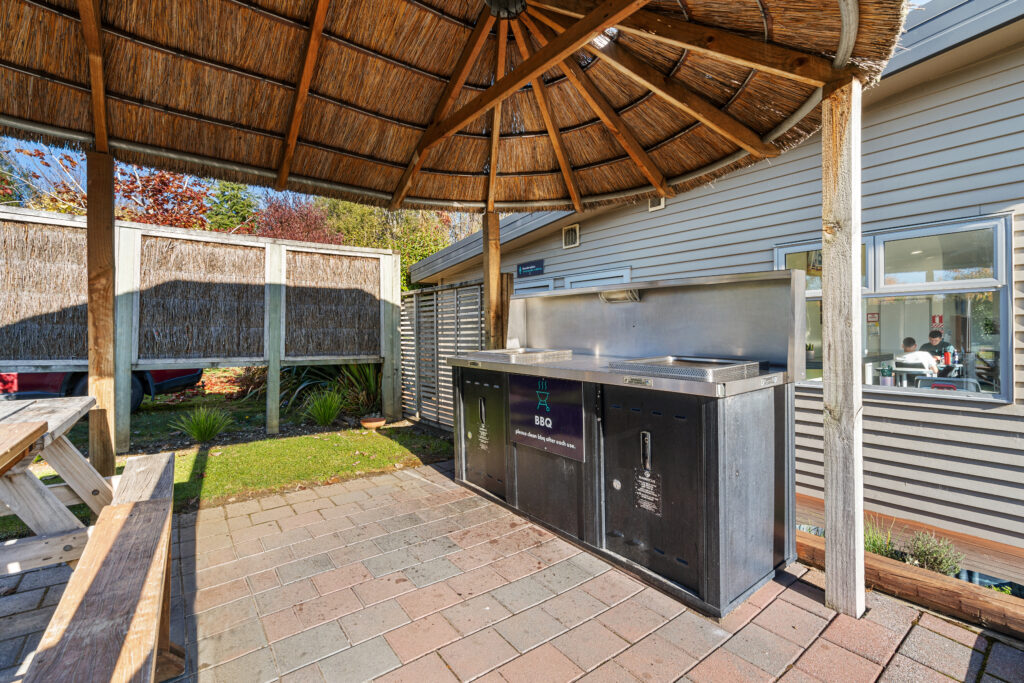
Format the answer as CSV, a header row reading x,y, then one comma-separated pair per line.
x,y
947,358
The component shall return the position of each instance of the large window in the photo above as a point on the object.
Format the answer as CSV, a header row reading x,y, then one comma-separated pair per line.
x,y
947,280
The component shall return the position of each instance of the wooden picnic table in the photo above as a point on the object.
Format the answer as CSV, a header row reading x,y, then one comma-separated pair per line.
x,y
39,427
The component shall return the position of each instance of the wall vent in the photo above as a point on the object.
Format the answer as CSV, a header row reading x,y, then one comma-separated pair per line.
x,y
656,204
571,236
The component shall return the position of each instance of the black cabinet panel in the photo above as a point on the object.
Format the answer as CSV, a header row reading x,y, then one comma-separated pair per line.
x,y
653,481
483,405
549,488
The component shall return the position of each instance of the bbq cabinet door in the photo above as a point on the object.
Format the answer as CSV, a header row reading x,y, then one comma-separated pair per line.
x,y
653,481
483,409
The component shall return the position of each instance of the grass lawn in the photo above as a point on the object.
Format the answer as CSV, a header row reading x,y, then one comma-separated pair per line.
x,y
243,461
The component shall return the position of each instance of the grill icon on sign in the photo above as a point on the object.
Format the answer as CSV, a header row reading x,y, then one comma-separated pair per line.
x,y
542,395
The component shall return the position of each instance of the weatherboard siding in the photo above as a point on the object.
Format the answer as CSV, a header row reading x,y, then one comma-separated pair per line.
x,y
947,149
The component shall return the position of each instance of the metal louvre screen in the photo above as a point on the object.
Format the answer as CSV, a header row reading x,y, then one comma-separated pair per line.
x,y
437,323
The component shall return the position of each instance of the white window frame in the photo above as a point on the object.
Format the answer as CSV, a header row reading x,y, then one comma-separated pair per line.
x,y
1001,225
580,280
527,285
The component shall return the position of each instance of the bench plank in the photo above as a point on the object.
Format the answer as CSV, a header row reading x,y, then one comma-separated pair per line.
x,y
15,440
21,554
107,625
60,415
146,477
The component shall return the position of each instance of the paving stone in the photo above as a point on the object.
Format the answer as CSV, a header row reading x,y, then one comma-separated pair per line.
x,y
229,644
631,620
693,634
220,618
522,594
342,577
48,576
255,667
246,507
475,614
475,582
420,637
427,600
218,595
308,566
248,548
394,561
214,558
560,577
791,622
517,566
942,654
281,624
477,654
590,644
763,649
655,659
362,662
430,668
305,519
21,601
954,631
373,621
591,565
554,551
725,667
433,548
277,599
829,662
328,525
889,612
477,556
573,607
905,670
527,630
658,602
431,572
214,527
1006,662
609,672
379,590
865,638
9,651
809,598
327,607
270,502
255,531
263,581
764,595
285,538
401,522
612,587
308,646
315,503
354,552
307,674
542,663
236,523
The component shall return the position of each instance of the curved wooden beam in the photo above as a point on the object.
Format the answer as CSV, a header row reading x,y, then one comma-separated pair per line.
x,y
541,95
715,42
451,91
672,90
89,13
606,112
316,32
499,71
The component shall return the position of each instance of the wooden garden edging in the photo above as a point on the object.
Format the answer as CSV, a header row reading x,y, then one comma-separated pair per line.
x,y
960,599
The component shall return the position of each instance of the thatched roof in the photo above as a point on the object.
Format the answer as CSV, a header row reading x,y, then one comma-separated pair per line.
x,y
393,101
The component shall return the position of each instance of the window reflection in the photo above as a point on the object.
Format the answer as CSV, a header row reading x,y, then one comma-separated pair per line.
x,y
949,257
810,262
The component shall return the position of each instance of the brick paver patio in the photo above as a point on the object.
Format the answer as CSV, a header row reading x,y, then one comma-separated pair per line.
x,y
409,577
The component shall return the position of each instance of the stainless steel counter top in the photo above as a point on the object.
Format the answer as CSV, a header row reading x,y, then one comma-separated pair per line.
x,y
595,369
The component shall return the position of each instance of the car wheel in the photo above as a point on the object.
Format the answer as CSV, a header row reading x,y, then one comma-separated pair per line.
x,y
137,393
81,387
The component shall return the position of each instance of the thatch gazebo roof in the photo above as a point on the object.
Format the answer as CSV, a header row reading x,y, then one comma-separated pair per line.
x,y
393,102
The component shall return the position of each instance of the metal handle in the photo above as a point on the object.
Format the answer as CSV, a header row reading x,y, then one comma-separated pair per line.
x,y
645,450
483,410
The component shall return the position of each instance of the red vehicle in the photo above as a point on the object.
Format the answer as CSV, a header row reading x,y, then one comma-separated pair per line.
x,y
19,385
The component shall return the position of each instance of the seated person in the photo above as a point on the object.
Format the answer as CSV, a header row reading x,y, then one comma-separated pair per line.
x,y
936,346
912,355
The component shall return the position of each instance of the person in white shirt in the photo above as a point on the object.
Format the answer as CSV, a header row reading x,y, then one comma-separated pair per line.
x,y
912,355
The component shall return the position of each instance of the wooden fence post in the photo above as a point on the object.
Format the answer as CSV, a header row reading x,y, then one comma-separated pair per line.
x,y
128,242
391,336
841,334
100,256
274,303
492,280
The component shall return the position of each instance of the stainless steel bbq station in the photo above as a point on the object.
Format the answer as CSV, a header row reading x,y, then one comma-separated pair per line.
x,y
651,423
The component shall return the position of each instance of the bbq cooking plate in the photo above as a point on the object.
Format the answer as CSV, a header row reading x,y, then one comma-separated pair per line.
x,y
692,368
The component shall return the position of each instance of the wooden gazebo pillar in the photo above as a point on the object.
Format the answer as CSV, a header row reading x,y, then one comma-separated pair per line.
x,y
493,299
100,258
841,335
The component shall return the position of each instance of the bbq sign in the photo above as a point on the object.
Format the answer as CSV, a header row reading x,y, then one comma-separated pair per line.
x,y
547,414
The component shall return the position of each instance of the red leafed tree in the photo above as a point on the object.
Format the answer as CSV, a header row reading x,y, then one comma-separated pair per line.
x,y
160,197
293,217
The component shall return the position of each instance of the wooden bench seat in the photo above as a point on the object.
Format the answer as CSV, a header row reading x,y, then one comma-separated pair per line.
x,y
113,621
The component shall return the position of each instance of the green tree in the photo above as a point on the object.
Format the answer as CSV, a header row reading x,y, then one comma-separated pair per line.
x,y
231,205
413,234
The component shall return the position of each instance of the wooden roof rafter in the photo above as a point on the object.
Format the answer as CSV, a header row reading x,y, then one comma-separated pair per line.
x,y
499,71
89,12
717,43
465,64
672,90
554,134
302,92
606,112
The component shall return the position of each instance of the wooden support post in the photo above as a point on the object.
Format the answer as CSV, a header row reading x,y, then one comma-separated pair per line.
x,y
841,333
100,256
492,281
275,315
391,336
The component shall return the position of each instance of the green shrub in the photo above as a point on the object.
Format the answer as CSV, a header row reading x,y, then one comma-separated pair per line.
x,y
879,541
1005,588
203,423
931,552
324,406
360,387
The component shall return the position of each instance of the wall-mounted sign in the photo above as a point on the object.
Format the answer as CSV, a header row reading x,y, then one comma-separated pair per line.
x,y
530,268
547,414
937,323
872,317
